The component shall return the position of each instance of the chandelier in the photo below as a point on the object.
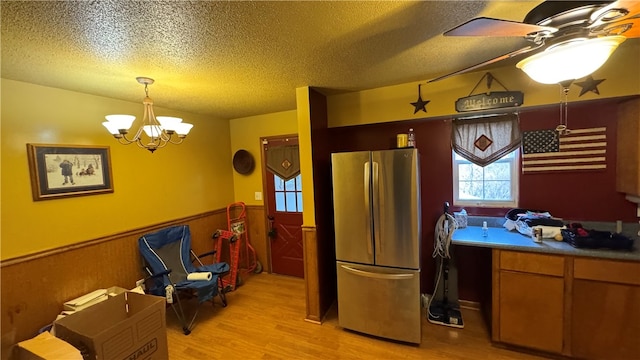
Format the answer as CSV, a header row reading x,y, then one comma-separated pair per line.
x,y
570,60
158,131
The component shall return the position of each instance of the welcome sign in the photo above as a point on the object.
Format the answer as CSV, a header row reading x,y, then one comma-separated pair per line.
x,y
494,100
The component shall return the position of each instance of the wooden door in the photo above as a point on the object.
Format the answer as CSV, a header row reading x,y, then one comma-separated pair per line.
x,y
283,197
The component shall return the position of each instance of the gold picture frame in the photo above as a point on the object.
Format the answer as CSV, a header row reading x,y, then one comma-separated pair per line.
x,y
69,170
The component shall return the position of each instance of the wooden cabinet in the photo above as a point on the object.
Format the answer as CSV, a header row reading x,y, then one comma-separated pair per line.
x,y
605,309
531,310
586,308
528,304
628,140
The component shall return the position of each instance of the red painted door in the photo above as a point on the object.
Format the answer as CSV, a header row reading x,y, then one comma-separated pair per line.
x,y
284,211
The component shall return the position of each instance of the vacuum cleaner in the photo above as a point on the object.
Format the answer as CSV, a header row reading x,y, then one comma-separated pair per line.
x,y
443,307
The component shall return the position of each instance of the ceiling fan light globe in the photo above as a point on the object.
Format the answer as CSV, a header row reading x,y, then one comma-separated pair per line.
x,y
571,60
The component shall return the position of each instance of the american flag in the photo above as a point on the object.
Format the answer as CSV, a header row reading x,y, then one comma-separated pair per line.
x,y
580,149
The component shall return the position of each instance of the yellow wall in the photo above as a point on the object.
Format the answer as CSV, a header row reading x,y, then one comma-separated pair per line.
x,y
173,182
245,134
306,156
392,103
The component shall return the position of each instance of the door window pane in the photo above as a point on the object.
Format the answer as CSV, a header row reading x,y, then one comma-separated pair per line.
x,y
290,185
280,205
291,202
278,183
300,202
288,194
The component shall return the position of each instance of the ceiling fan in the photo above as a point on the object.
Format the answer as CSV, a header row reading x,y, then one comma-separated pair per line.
x,y
554,27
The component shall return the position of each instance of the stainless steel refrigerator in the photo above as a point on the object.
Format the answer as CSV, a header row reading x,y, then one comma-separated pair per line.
x,y
376,196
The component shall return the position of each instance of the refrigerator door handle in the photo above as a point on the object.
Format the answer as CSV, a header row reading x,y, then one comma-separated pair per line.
x,y
376,207
367,174
377,275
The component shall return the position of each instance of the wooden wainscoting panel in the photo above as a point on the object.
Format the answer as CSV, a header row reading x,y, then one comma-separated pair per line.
x,y
256,223
202,230
311,276
34,287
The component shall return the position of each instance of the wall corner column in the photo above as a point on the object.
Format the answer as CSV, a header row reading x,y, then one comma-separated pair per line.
x,y
309,240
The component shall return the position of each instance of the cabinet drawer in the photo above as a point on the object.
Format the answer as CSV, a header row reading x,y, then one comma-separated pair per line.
x,y
532,263
623,272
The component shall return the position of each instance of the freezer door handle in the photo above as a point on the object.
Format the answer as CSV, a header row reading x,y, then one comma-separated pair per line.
x,y
376,206
377,275
367,208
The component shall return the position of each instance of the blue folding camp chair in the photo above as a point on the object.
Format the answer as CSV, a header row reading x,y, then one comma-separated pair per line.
x,y
169,262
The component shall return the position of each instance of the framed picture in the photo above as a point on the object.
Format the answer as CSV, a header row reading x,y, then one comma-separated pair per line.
x,y
69,170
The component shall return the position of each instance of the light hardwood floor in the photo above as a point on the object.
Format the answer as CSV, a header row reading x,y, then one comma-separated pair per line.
x,y
265,320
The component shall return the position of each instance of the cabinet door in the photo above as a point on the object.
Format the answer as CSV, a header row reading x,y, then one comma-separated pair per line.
x,y
531,310
606,320
628,159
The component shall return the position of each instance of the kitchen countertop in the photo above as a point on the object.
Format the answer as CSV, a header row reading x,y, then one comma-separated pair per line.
x,y
501,238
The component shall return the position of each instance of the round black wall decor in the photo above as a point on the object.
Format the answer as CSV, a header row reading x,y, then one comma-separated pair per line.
x,y
243,162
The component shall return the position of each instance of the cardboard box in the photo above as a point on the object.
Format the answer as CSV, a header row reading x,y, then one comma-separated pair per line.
x,y
46,347
86,300
127,326
115,290
91,298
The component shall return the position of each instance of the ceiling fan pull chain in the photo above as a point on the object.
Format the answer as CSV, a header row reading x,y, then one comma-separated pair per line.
x,y
563,128
565,90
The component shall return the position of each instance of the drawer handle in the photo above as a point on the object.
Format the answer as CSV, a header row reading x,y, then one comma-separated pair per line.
x,y
378,275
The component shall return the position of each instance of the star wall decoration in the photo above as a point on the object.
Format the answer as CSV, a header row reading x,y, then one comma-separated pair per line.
x,y
589,84
420,104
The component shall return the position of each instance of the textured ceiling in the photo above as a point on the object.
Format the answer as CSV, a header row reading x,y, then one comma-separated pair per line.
x,y
233,59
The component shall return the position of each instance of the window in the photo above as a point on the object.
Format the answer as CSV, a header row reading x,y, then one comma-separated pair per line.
x,y
288,194
495,185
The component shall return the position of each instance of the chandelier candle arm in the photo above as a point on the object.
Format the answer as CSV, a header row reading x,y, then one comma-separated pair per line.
x,y
157,130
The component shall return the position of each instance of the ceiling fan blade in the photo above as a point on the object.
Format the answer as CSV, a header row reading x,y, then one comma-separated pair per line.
x,y
618,18
629,28
488,62
484,26
615,12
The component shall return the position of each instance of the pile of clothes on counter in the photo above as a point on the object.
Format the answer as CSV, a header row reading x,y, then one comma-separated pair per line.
x,y
524,221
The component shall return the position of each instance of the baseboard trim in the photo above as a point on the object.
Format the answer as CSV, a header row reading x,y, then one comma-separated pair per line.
x,y
470,305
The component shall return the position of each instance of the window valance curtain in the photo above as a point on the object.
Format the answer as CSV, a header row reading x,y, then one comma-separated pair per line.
x,y
486,139
284,161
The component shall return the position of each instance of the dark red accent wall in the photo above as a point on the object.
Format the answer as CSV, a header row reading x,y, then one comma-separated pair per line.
x,y
588,196
577,195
